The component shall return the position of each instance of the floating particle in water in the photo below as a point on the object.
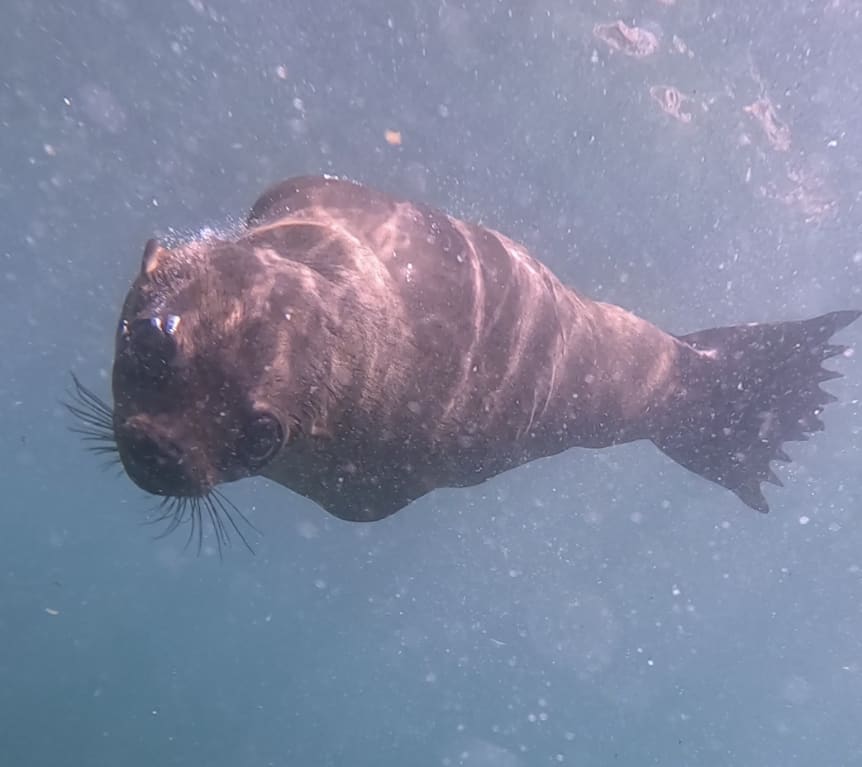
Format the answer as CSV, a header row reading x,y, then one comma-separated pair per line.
x,y
672,102
482,753
803,191
102,108
681,47
393,137
796,690
577,630
809,194
777,132
632,41
308,530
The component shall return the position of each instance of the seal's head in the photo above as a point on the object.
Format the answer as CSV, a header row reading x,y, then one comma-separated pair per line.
x,y
196,399
190,407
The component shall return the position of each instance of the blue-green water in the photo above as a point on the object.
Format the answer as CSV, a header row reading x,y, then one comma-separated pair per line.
x,y
600,608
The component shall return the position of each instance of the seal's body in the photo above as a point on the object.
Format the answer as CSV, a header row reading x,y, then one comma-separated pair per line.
x,y
363,351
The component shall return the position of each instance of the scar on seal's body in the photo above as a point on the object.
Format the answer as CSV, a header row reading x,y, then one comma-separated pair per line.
x,y
363,350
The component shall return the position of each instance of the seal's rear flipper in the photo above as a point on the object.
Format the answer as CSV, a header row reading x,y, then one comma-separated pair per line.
x,y
745,390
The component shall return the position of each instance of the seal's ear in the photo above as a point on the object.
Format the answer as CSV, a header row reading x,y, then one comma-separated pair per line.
x,y
153,255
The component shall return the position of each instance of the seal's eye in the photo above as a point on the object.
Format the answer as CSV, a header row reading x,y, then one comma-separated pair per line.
x,y
152,344
261,440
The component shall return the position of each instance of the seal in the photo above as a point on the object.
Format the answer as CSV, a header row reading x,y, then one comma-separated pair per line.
x,y
363,350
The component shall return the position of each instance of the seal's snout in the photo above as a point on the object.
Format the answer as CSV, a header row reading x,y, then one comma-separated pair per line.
x,y
157,464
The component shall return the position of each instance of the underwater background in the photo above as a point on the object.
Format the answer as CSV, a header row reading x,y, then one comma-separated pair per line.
x,y
697,162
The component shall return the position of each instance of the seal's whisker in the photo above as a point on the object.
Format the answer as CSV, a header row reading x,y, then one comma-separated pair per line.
x,y
91,409
227,507
215,518
178,510
89,426
196,515
155,520
167,512
95,419
186,505
104,450
86,395
92,424
175,512
222,538
93,437
95,426
184,511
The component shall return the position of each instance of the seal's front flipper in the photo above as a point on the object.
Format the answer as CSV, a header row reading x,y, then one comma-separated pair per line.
x,y
744,391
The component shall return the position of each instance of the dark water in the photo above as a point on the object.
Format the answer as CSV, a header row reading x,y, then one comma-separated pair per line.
x,y
594,609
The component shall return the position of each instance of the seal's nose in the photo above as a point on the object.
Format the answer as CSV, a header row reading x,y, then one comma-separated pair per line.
x,y
156,465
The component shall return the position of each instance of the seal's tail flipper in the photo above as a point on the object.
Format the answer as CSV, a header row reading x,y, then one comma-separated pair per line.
x,y
746,390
